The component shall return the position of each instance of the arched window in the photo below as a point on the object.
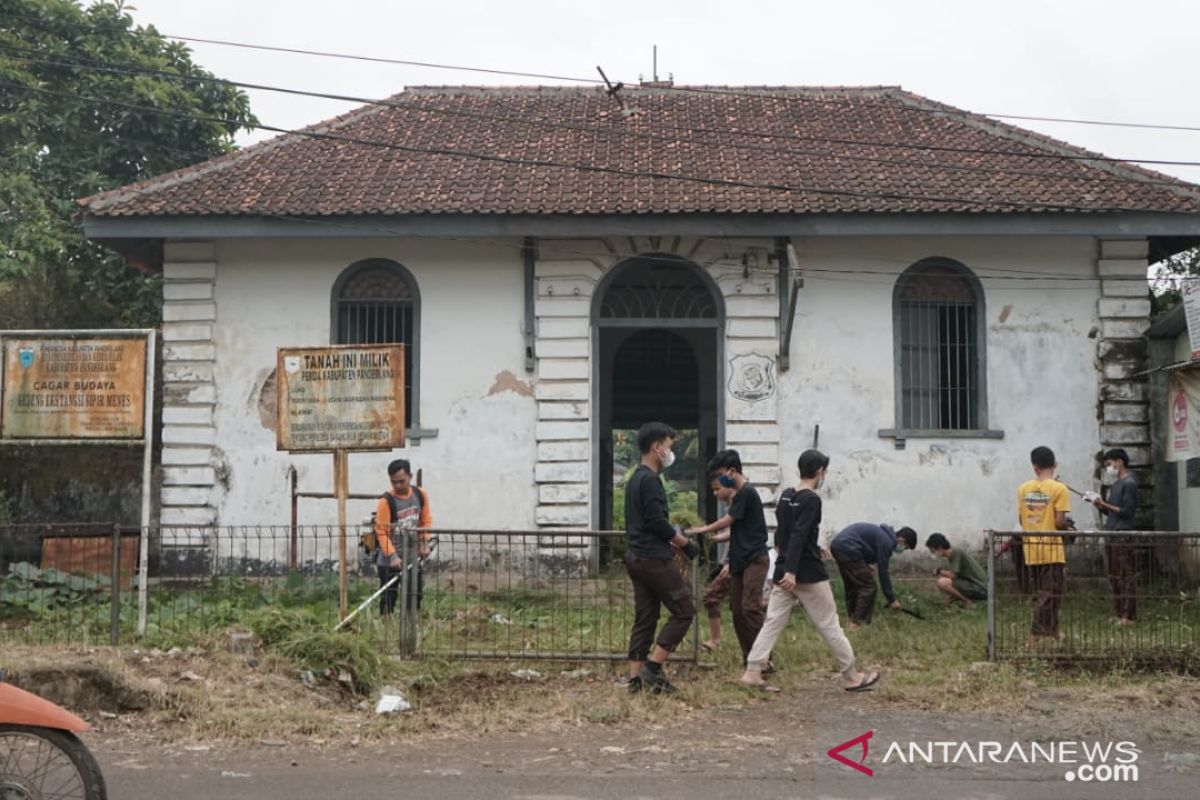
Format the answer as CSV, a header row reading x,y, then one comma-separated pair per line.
x,y
376,302
938,308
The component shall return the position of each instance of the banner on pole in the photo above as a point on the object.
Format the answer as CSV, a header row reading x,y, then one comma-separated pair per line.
x,y
1183,415
1189,288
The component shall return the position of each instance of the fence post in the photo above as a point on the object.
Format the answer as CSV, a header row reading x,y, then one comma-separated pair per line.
x,y
404,562
114,616
991,590
696,617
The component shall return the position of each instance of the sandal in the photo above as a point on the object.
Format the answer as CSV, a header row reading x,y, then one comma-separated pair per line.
x,y
761,687
869,680
708,647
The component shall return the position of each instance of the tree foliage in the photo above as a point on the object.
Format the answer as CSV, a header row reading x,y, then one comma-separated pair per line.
x,y
1165,283
59,142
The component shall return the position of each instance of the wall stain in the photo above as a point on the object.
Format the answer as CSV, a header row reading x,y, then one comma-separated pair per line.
x,y
263,399
508,382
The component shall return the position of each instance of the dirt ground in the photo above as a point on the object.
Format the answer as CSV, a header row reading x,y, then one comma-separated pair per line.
x,y
250,727
777,747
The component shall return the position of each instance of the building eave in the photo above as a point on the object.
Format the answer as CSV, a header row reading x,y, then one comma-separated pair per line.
x,y
1125,224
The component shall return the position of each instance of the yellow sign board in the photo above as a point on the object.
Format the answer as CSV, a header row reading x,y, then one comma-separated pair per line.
x,y
345,397
73,389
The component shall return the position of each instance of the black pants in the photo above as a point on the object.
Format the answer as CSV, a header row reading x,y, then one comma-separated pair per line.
x,y
657,583
416,588
858,582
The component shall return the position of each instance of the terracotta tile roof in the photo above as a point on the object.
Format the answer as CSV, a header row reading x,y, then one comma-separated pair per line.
x,y
537,150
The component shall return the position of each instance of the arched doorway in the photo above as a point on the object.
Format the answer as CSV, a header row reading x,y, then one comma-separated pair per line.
x,y
657,323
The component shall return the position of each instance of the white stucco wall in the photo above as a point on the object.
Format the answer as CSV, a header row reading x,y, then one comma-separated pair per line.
x,y
1041,378
478,469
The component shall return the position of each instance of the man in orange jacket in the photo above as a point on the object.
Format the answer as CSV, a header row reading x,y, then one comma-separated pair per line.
x,y
404,507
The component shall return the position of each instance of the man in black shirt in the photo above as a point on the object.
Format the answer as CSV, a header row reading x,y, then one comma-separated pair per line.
x,y
800,578
649,561
1120,514
745,528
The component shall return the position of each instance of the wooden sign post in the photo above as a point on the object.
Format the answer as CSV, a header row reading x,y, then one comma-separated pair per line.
x,y
336,400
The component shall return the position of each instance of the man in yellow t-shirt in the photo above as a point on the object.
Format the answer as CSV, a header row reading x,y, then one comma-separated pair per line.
x,y
1043,504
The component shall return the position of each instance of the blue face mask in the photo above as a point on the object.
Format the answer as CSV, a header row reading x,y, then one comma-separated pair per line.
x,y
726,481
898,548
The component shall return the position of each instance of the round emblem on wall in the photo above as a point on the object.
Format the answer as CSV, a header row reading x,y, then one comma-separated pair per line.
x,y
751,377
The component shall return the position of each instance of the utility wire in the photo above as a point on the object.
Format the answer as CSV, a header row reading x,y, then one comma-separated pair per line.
x,y
596,168
124,69
711,90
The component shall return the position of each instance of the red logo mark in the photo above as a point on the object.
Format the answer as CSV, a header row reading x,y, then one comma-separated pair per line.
x,y
836,753
1179,412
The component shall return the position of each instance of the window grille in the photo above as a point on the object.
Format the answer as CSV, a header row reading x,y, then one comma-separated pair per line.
x,y
376,303
938,324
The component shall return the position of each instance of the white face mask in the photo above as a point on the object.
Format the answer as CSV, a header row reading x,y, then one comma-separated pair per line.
x,y
668,459
1111,471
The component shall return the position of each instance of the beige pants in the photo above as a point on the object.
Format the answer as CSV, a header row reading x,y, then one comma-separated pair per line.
x,y
819,605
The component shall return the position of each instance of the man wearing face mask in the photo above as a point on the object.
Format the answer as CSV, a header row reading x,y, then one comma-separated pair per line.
x,y
861,550
649,562
744,526
1120,514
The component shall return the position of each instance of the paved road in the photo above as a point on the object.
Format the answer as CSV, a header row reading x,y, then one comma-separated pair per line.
x,y
724,754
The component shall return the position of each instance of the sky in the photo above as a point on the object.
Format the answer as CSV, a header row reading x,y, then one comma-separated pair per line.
x,y
1111,60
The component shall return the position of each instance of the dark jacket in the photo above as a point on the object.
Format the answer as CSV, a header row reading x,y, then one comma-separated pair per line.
x,y
646,519
798,515
874,544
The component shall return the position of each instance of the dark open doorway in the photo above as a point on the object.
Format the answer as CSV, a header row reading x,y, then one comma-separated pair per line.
x,y
657,357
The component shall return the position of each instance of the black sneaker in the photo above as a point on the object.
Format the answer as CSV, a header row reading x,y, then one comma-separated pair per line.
x,y
655,680
634,684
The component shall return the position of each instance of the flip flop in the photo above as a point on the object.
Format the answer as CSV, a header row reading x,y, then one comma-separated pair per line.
x,y
869,680
705,647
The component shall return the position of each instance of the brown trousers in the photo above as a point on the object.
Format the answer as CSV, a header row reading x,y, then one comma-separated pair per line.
x,y
858,584
657,583
715,593
746,597
1122,576
1049,581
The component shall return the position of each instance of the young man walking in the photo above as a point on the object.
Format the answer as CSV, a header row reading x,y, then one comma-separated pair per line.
x,y
649,561
744,526
403,507
861,550
964,580
800,579
1120,514
1043,504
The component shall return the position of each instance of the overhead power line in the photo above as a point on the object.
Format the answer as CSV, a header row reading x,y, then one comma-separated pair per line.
x,y
692,89
128,69
734,92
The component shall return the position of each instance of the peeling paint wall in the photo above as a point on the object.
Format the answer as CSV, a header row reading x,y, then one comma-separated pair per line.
x,y
502,432
474,389
1041,378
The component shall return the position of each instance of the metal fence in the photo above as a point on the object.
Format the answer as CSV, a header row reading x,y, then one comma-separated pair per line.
x,y
480,594
1151,579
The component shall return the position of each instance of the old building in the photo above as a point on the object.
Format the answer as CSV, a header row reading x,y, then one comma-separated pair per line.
x,y
934,291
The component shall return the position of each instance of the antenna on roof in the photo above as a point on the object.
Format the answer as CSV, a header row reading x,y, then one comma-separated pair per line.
x,y
612,90
655,83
